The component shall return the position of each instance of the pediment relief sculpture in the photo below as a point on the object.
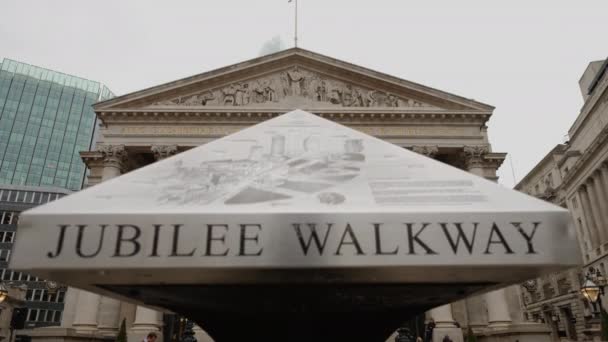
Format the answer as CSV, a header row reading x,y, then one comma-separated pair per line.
x,y
293,86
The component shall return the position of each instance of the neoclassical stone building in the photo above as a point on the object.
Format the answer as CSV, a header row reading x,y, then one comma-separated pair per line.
x,y
148,125
575,175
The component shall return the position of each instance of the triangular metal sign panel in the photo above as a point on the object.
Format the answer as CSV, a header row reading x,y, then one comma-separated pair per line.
x,y
299,194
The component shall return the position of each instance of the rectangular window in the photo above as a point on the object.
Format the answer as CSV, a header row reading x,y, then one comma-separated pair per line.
x,y
8,236
42,316
5,254
60,296
33,315
57,317
29,294
45,198
7,217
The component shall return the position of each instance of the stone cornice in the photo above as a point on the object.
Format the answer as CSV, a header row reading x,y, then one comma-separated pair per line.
x,y
559,149
283,59
585,158
253,115
599,95
90,158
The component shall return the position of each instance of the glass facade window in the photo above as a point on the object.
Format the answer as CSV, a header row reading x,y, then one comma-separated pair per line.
x,y
13,200
46,119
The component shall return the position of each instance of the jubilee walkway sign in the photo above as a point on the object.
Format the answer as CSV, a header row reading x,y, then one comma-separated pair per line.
x,y
297,228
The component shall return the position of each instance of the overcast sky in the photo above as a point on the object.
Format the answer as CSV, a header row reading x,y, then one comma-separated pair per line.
x,y
523,57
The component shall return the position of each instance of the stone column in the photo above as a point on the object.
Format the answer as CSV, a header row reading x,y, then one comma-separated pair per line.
x,y
604,172
445,324
109,316
114,160
589,220
85,317
146,321
498,309
425,150
163,151
107,310
473,159
595,210
602,195
69,308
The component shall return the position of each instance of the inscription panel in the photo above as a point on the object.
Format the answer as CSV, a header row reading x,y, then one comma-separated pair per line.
x,y
220,130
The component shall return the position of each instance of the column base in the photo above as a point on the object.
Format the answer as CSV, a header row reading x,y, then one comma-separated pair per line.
x,y
454,333
85,328
112,332
525,332
499,325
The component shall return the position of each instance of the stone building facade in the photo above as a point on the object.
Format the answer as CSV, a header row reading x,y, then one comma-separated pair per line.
x,y
574,175
152,124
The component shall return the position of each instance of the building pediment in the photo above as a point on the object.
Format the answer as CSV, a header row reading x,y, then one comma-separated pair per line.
x,y
293,78
293,87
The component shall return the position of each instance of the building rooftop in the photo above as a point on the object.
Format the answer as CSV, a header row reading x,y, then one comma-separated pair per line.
x,y
55,76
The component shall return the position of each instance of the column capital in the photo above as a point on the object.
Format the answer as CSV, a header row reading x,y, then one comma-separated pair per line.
x,y
426,150
113,155
474,155
163,151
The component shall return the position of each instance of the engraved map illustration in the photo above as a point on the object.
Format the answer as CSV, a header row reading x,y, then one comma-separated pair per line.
x,y
296,161
293,165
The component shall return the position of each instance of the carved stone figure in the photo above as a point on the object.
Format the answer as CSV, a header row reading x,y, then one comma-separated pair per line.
x,y
258,93
241,97
269,93
392,101
206,97
371,98
229,95
296,81
358,100
321,92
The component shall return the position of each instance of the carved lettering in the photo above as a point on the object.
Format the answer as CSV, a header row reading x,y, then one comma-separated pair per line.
x,y
313,236
413,238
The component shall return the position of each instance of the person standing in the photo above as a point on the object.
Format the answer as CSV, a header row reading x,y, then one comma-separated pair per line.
x,y
150,338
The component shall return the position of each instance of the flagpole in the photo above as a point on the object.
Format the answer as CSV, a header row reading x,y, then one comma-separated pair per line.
x,y
295,38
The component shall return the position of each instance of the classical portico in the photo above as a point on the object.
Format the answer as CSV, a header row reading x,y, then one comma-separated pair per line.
x,y
143,127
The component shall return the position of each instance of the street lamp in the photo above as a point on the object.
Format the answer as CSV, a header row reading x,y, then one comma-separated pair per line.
x,y
593,286
3,293
591,291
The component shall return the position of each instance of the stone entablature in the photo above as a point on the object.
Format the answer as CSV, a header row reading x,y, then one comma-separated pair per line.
x,y
198,115
590,155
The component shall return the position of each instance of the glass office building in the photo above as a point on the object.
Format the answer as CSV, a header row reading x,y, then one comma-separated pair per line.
x,y
46,119
44,303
